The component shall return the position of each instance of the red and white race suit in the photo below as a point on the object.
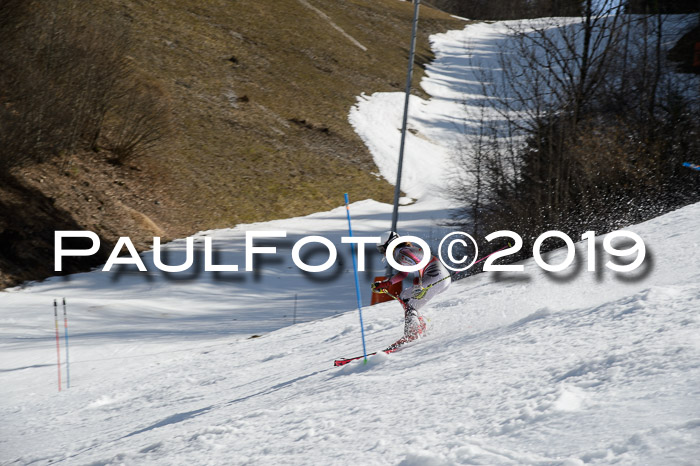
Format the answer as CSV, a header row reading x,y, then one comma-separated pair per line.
x,y
434,276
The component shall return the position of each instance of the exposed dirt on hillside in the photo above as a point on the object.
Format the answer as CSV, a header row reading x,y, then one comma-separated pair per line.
x,y
78,192
259,90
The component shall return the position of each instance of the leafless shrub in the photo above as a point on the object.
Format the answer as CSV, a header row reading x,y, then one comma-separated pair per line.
x,y
64,69
137,122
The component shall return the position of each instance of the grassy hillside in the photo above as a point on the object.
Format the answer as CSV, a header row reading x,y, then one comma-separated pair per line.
x,y
259,92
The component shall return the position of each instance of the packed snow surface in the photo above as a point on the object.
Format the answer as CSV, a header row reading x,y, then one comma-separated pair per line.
x,y
237,368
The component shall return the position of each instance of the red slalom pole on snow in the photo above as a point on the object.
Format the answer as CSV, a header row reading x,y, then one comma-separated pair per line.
x,y
65,322
494,252
58,344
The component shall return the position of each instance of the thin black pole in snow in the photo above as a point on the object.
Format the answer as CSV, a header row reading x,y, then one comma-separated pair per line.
x,y
294,321
409,76
58,345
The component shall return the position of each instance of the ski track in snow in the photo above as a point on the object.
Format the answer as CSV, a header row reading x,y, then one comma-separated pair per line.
x,y
532,368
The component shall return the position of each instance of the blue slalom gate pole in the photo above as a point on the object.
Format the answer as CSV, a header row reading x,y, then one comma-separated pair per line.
x,y
65,324
357,279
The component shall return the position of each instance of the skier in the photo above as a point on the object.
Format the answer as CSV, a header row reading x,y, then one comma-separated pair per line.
x,y
432,280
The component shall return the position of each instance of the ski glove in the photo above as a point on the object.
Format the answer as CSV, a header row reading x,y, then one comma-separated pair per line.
x,y
380,287
419,293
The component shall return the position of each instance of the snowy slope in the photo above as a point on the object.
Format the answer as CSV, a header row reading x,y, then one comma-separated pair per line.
x,y
530,371
531,368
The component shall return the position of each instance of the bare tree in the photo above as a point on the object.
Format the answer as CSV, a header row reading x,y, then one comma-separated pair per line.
x,y
587,136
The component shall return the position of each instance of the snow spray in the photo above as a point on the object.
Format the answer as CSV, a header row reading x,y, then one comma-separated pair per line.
x,y
357,279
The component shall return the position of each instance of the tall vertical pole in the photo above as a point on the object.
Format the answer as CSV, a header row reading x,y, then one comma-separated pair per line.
x,y
357,279
65,323
294,320
409,76
58,345
404,124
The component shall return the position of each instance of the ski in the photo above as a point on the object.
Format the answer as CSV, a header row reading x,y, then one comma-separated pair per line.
x,y
397,345
343,361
